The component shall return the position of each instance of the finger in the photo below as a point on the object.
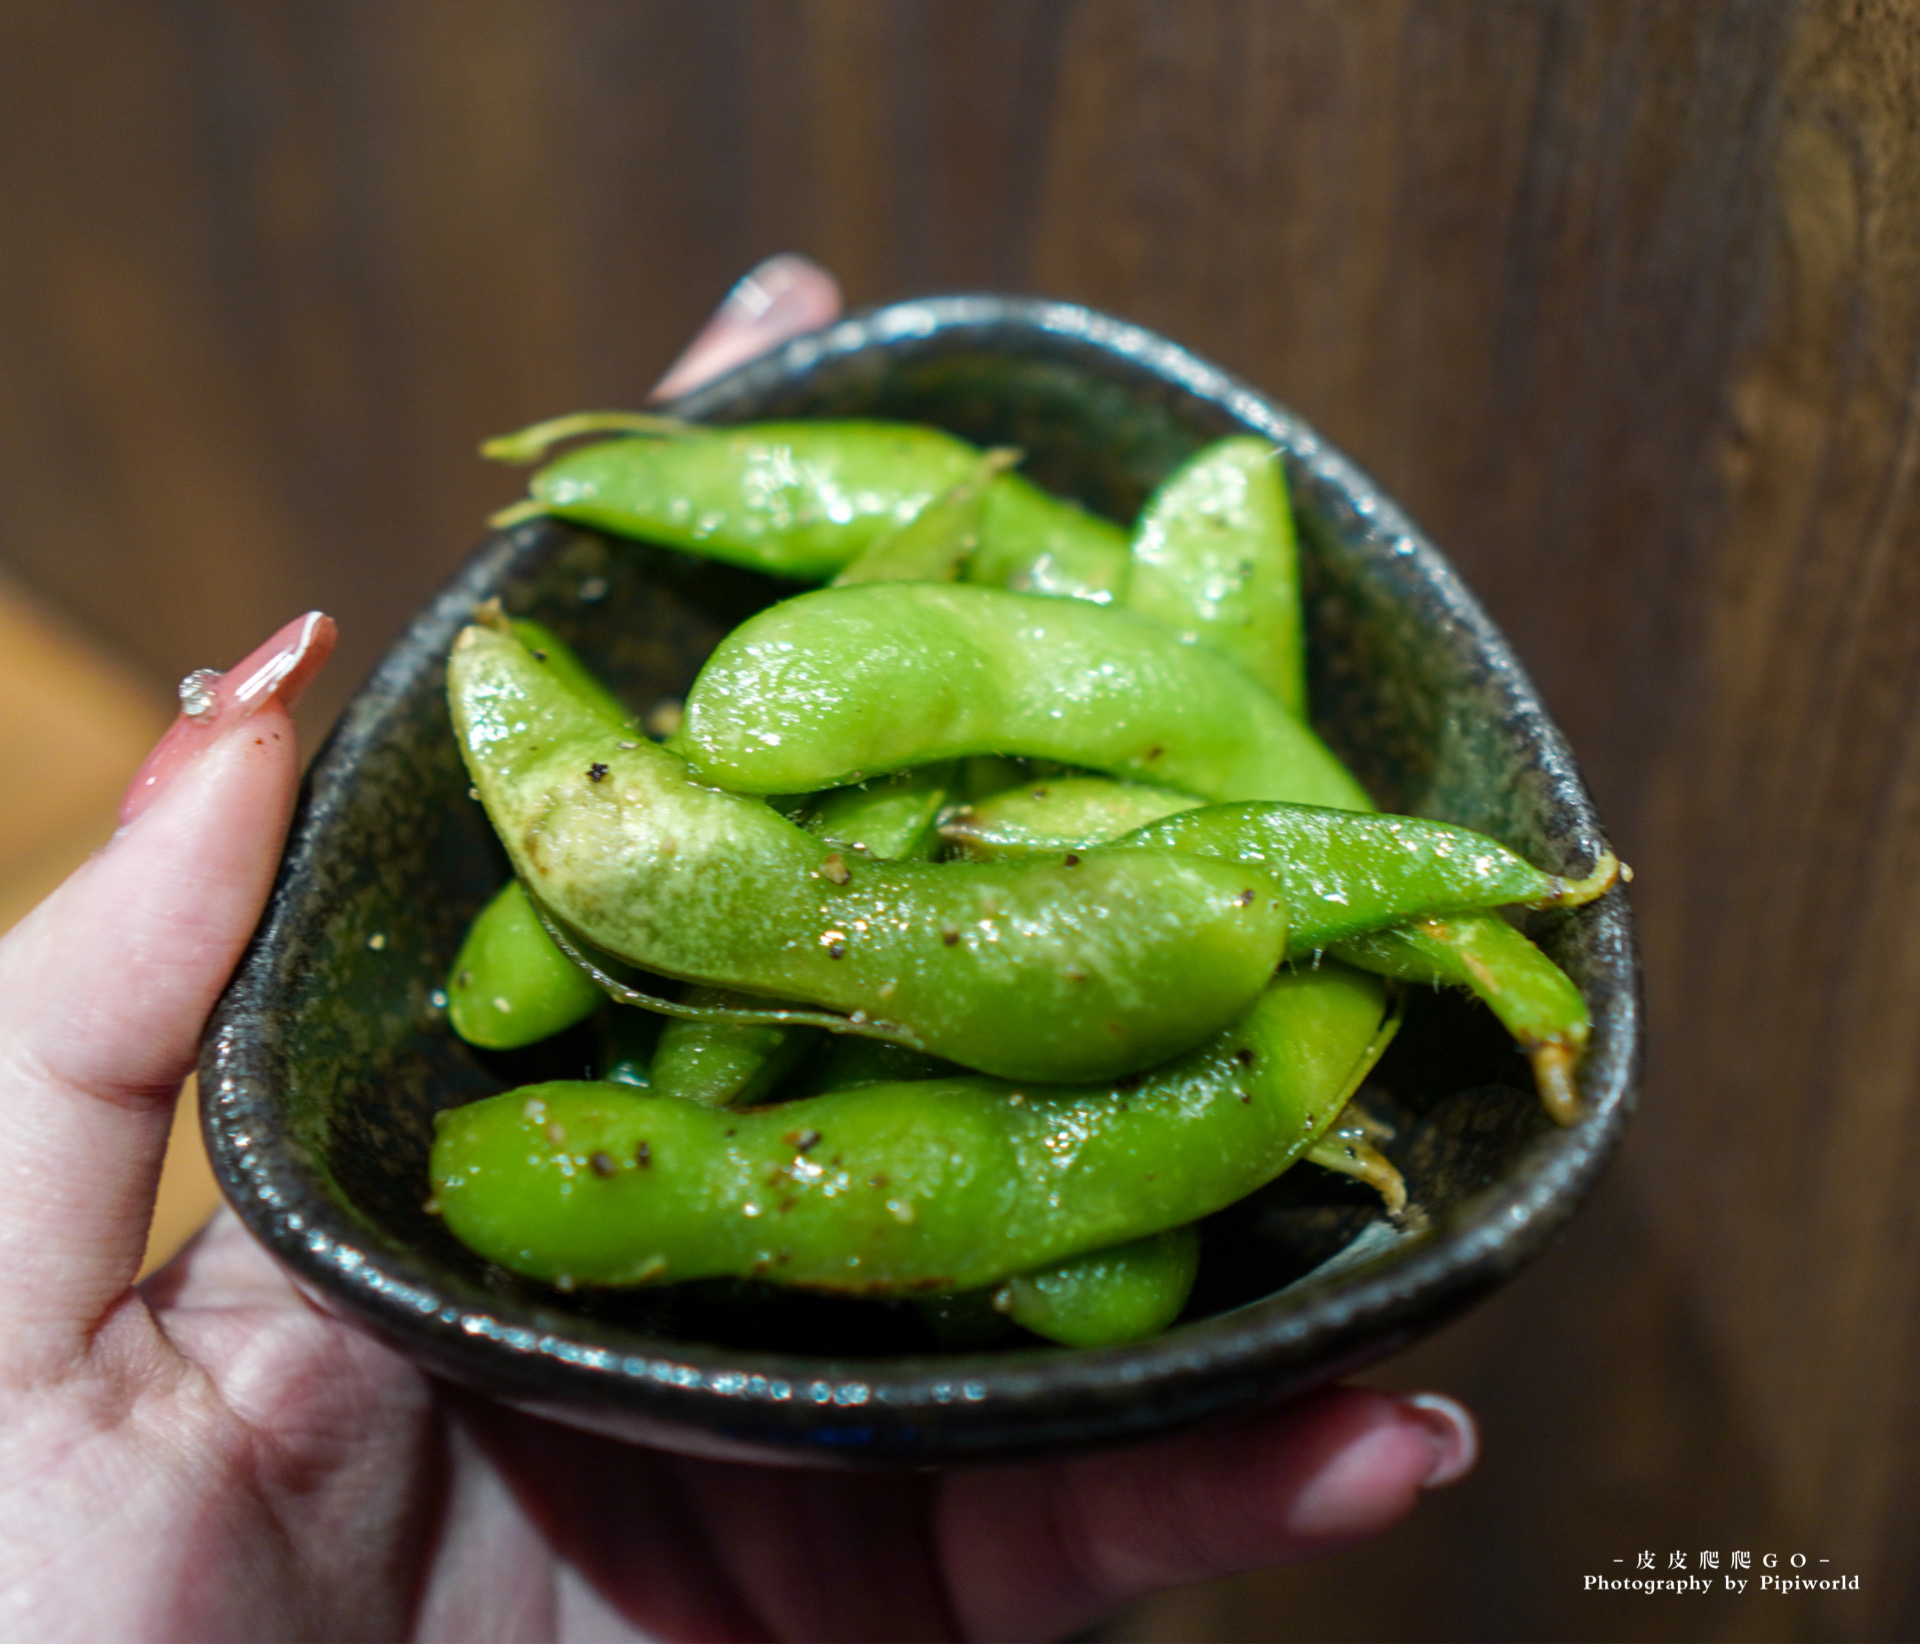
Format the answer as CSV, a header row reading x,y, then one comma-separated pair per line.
x,y
1039,1549
784,297
105,986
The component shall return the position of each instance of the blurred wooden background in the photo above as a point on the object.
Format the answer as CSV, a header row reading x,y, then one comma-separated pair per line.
x,y
1621,298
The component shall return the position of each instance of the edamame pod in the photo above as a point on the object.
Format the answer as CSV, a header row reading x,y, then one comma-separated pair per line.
x,y
563,662
796,499
937,541
1034,543
510,986
945,1184
802,499
1345,872
851,682
1530,994
1064,813
888,819
1214,558
1039,969
721,1062
1125,1293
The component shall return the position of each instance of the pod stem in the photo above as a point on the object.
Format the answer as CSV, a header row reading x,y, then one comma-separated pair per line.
x,y
1553,1063
532,444
525,509
1347,1152
1607,870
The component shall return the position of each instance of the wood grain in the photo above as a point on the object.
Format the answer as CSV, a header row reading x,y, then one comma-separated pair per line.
x,y
1622,300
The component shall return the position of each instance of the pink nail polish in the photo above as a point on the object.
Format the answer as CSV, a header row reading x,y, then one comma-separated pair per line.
x,y
213,703
1456,1436
780,298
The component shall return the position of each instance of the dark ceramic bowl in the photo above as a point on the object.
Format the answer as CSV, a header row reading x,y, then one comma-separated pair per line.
x,y
330,1052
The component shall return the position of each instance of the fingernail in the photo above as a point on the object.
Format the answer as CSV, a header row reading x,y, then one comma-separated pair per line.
x,y
1456,1437
781,298
778,289
213,703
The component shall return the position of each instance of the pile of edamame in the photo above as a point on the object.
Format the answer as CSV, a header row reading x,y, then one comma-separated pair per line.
x,y
988,917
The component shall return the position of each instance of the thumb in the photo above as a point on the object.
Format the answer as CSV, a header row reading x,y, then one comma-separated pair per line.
x,y
104,989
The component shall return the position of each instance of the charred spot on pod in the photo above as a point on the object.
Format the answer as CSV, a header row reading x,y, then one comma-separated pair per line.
x,y
1073,860
643,1155
949,936
835,868
1244,1056
1075,974
1155,751
836,950
1244,899
600,1164
801,1140
597,772
538,654
877,1180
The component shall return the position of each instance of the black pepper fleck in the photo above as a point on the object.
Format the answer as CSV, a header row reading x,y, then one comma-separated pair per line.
x,y
596,772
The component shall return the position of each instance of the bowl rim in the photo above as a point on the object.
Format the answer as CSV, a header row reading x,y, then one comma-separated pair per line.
x,y
694,1396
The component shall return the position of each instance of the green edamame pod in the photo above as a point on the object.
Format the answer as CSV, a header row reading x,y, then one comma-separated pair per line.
x,y
1125,1293
1510,980
560,659
798,499
1530,994
723,1063
1035,543
1061,813
850,682
937,541
944,1184
1058,813
888,819
1214,558
1036,969
1345,872
510,986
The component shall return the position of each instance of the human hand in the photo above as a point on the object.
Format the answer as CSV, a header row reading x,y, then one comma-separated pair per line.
x,y
211,1456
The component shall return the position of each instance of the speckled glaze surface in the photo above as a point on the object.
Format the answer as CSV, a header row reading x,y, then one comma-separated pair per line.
x,y
328,1055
